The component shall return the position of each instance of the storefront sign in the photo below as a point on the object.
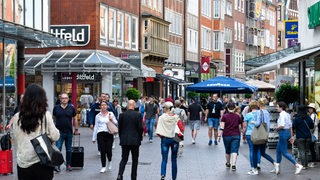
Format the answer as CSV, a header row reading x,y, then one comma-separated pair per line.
x,y
283,80
291,29
80,34
168,72
88,77
205,65
132,58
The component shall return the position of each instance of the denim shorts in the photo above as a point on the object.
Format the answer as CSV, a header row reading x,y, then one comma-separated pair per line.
x,y
195,125
213,122
231,144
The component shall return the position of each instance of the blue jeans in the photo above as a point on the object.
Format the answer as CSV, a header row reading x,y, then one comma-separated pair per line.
x,y
231,144
167,143
260,150
282,146
67,138
250,144
150,124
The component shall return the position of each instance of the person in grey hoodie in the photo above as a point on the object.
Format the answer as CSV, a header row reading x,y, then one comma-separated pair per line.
x,y
166,131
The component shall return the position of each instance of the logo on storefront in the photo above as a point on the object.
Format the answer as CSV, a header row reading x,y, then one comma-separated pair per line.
x,y
86,77
291,29
80,34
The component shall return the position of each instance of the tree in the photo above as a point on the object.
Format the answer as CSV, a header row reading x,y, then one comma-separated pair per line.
x,y
287,93
133,93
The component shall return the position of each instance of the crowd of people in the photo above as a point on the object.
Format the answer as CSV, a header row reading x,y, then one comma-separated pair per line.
x,y
229,121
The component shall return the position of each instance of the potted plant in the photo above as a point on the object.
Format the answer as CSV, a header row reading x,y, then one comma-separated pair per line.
x,y
287,93
133,93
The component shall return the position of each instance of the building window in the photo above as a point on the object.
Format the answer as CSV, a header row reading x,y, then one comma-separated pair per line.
x,y
118,28
235,30
228,7
175,54
236,5
279,14
176,21
216,9
242,6
216,41
206,8
227,35
103,21
205,38
279,39
127,30
192,43
239,31
120,25
134,33
112,27
242,32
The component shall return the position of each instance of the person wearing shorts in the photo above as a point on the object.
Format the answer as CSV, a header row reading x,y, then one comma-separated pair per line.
x,y
230,128
213,115
194,114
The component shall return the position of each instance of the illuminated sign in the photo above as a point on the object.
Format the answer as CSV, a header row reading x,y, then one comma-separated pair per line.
x,y
291,29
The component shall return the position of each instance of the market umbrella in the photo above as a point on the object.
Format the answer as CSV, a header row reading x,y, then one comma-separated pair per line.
x,y
10,85
221,84
261,85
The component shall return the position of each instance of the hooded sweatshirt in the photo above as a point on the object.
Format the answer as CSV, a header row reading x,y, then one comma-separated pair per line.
x,y
166,125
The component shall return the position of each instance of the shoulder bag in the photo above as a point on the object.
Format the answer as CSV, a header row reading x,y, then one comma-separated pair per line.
x,y
313,137
260,134
47,152
112,128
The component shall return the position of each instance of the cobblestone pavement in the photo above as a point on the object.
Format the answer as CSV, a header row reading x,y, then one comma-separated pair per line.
x,y
199,162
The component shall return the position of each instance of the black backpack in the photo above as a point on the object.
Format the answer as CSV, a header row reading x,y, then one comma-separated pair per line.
x,y
6,142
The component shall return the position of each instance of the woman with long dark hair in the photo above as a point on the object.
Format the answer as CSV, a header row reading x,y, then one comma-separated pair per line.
x,y
27,124
102,136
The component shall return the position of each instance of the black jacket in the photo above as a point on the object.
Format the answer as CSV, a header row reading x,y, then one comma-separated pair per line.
x,y
300,125
130,128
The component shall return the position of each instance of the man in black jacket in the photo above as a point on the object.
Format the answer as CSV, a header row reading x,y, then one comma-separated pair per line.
x,y
130,134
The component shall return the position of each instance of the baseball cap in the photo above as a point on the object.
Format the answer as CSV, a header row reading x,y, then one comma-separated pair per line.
x,y
167,105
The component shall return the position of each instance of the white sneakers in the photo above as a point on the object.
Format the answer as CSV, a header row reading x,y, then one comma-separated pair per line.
x,y
193,141
103,170
253,172
110,165
277,168
298,168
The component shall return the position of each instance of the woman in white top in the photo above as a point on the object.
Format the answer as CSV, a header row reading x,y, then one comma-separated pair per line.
x,y
27,124
314,117
101,133
284,129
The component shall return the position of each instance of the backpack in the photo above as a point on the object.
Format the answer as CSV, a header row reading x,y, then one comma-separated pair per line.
x,y
179,113
6,142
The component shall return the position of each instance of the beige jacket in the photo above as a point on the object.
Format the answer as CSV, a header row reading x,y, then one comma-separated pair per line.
x,y
26,156
166,125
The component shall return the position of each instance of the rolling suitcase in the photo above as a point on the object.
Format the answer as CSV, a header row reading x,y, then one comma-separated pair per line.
x,y
6,164
77,157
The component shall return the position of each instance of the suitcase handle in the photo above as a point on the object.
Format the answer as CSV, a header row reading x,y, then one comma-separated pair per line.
x,y
74,140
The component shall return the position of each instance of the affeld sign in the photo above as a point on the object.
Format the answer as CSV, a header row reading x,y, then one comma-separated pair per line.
x,y
80,34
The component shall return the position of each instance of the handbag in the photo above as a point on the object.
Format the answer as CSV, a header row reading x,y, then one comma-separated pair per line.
x,y
260,134
47,152
178,135
313,137
112,128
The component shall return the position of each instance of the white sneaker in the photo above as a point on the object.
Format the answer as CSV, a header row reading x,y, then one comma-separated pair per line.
x,y
193,141
103,170
99,154
273,170
113,146
277,168
110,165
253,172
312,165
298,169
